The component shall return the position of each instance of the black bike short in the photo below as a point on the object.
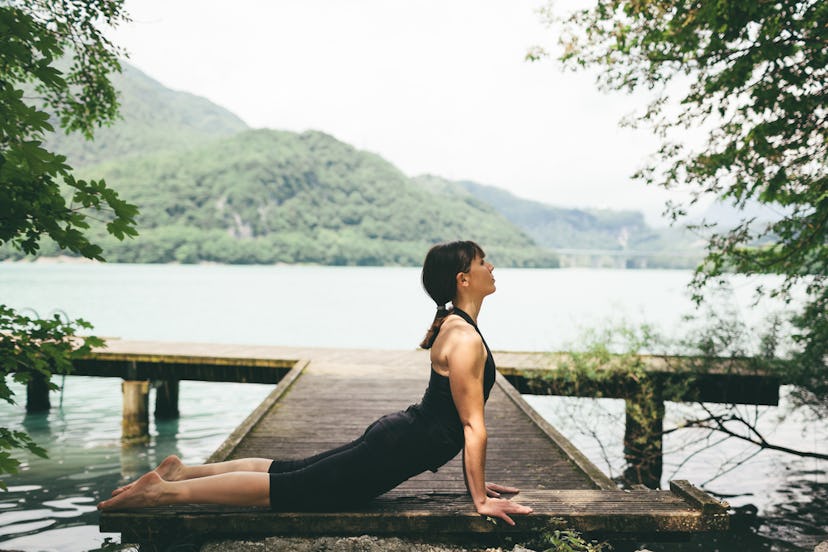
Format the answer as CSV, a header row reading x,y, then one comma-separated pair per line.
x,y
393,449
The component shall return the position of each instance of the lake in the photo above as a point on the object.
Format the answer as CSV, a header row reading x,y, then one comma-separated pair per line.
x,y
50,505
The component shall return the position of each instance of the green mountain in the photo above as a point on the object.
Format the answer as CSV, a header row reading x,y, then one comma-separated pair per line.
x,y
153,119
265,196
571,229
210,189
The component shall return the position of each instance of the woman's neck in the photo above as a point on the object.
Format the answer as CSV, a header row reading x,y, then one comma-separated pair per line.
x,y
472,308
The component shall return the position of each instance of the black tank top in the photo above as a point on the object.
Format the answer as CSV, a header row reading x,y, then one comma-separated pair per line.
x,y
437,405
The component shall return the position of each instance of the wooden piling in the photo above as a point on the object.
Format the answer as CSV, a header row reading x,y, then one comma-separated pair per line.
x,y
643,439
166,399
135,423
37,394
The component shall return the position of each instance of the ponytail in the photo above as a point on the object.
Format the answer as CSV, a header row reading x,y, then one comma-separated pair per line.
x,y
432,332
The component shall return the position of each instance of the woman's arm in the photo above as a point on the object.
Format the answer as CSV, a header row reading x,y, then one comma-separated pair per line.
x,y
466,363
492,489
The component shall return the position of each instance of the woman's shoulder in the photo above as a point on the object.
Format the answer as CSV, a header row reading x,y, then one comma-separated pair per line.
x,y
456,332
457,344
456,323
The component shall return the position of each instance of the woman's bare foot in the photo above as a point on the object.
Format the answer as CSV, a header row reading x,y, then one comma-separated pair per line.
x,y
143,493
170,469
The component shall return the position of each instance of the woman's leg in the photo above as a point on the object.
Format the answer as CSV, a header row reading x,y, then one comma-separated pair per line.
x,y
234,483
231,488
342,477
204,470
284,466
172,469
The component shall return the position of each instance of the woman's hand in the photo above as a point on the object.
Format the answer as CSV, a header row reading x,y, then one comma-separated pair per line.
x,y
493,490
501,508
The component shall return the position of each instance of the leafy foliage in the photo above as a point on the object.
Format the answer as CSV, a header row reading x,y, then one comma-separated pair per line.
x,y
35,36
29,348
756,75
568,540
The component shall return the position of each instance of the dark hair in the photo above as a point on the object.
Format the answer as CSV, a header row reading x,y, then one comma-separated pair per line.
x,y
442,264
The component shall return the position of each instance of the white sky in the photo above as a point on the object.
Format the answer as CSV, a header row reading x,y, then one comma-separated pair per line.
x,y
435,87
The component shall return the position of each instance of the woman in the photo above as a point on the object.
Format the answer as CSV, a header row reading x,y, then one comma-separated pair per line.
x,y
395,447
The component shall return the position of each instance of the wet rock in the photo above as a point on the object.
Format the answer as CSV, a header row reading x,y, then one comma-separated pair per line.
x,y
822,547
519,548
363,543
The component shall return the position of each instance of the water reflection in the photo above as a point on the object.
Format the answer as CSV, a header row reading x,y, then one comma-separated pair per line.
x,y
37,423
780,501
51,503
798,524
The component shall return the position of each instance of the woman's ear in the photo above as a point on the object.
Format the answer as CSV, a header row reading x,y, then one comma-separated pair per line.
x,y
461,279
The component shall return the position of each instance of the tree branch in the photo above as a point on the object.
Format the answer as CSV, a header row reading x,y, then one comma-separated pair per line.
x,y
759,440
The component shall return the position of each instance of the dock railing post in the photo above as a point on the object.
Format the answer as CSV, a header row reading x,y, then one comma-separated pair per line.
x,y
135,423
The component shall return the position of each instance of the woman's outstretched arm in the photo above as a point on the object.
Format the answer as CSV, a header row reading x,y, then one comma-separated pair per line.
x,y
466,361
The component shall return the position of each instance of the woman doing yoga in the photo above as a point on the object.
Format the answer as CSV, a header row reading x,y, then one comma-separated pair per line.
x,y
394,448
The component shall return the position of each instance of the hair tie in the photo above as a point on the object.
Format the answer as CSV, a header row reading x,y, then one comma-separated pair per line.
x,y
441,308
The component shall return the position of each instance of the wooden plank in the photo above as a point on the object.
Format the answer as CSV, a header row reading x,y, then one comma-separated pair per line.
x,y
574,455
730,381
189,359
191,369
243,429
435,515
697,497
510,362
299,428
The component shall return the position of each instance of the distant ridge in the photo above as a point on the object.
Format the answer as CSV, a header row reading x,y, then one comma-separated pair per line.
x,y
562,228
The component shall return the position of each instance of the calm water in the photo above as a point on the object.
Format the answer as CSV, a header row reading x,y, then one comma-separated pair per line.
x,y
50,504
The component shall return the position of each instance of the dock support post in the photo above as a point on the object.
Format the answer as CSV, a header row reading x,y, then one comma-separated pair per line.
x,y
135,423
166,399
37,394
642,437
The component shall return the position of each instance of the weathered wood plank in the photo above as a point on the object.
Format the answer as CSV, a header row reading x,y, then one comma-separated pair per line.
x,y
574,455
697,497
254,417
439,514
297,427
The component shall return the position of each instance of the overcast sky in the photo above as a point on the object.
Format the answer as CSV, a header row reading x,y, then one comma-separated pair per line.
x,y
438,87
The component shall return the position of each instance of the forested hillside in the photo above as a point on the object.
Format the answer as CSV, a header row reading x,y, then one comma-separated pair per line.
x,y
561,228
266,196
153,119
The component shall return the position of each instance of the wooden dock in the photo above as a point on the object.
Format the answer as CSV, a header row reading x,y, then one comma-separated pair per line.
x,y
329,396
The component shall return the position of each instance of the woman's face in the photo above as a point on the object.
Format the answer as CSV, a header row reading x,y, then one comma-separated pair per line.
x,y
480,277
